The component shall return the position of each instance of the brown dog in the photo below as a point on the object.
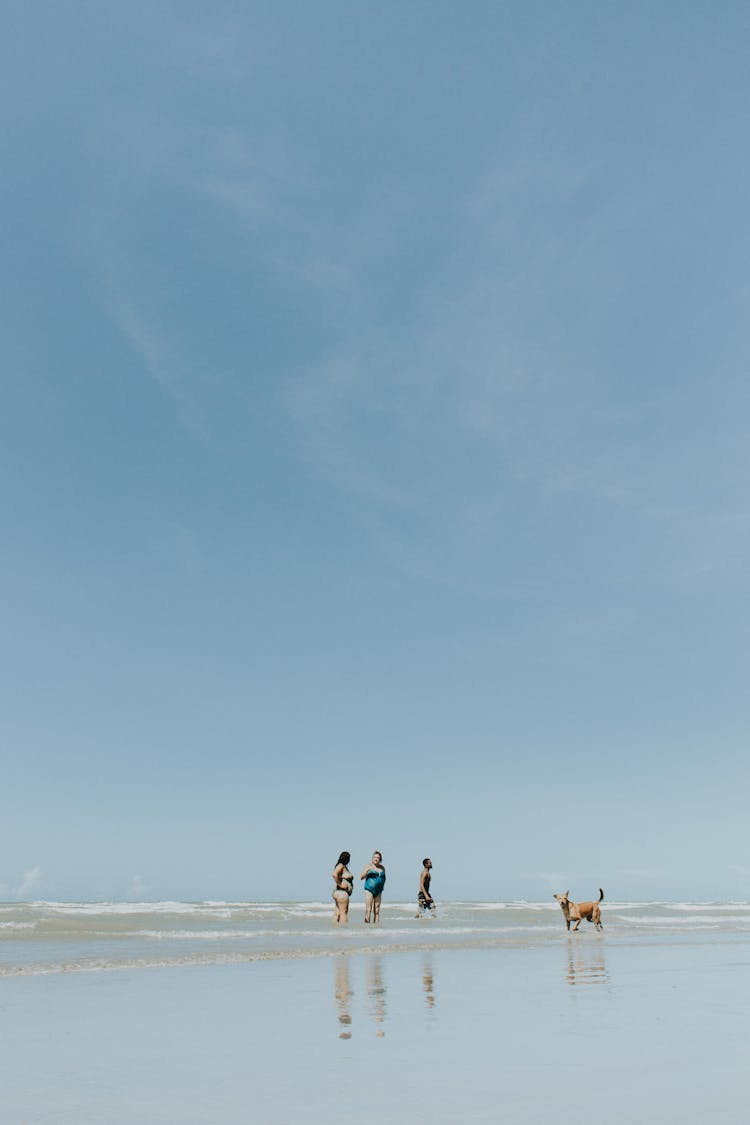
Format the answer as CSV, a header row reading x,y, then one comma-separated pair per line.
x,y
577,911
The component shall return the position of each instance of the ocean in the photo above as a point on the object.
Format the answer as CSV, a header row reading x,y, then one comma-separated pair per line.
x,y
56,937
227,1013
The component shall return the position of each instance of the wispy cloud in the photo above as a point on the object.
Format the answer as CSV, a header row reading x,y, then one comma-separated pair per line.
x,y
252,192
157,352
31,878
137,888
439,388
646,872
551,879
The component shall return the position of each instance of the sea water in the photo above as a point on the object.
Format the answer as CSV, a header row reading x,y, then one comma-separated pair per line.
x,y
211,1013
52,937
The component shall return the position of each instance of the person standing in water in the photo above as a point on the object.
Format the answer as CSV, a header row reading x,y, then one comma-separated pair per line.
x,y
374,877
425,901
343,886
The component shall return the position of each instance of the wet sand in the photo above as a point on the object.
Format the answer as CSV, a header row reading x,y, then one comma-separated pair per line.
x,y
650,1030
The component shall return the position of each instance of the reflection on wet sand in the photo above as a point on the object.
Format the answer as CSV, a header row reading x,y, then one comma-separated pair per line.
x,y
428,981
376,994
586,964
375,991
343,992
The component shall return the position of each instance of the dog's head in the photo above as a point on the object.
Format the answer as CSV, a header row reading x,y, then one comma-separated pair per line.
x,y
562,898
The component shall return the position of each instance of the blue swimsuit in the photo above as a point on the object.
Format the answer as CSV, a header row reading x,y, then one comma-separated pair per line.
x,y
375,881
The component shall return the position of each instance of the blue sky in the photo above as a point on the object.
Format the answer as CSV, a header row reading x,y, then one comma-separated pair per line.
x,y
374,442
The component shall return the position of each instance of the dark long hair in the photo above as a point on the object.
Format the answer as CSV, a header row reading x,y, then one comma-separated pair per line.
x,y
344,858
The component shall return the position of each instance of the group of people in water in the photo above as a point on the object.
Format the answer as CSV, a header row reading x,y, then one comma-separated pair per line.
x,y
374,880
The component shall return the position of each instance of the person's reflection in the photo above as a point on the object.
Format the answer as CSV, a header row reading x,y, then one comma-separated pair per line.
x,y
586,964
428,982
376,994
344,993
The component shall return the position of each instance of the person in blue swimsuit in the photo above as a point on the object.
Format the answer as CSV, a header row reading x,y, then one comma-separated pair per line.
x,y
374,877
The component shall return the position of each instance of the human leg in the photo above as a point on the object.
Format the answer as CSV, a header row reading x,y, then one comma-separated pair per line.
x,y
341,901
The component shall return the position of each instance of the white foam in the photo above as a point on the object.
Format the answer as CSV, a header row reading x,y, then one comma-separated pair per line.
x,y
711,907
87,909
695,922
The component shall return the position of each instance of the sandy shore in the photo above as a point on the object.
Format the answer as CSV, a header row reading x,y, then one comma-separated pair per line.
x,y
647,1031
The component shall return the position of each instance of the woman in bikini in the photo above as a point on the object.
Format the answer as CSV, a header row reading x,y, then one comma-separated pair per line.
x,y
374,877
343,881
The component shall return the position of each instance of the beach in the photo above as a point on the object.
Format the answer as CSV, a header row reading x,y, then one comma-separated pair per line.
x,y
480,1015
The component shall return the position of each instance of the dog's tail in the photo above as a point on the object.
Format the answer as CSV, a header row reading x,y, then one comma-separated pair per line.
x,y
601,895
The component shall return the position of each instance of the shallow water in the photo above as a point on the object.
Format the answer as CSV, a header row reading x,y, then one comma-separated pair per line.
x,y
48,937
621,1027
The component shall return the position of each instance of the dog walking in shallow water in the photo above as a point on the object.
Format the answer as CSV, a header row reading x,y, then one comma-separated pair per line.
x,y
577,911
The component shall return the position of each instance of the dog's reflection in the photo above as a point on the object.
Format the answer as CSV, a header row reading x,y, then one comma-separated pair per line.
x,y
343,992
428,982
376,994
586,964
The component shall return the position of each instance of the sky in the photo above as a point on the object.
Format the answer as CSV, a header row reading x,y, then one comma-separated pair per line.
x,y
374,443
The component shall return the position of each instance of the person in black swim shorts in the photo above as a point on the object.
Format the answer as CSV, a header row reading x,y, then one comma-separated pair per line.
x,y
425,901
